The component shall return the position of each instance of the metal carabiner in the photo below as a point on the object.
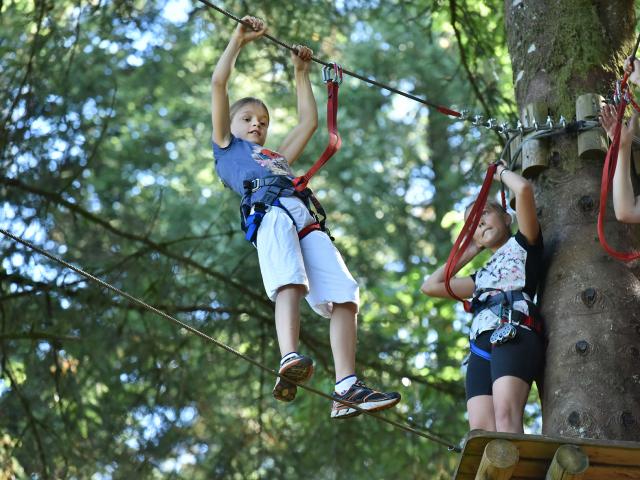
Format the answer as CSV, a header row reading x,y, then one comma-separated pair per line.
x,y
332,73
617,93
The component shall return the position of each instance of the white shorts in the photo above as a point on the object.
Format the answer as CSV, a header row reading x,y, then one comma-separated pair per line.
x,y
313,262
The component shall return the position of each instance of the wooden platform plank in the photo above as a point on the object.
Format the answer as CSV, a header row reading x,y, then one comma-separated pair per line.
x,y
608,459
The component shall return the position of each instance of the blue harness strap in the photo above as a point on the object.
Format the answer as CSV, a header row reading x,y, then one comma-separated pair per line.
x,y
253,221
476,350
251,214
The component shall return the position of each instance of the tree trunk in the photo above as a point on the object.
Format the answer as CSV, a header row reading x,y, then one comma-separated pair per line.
x,y
590,302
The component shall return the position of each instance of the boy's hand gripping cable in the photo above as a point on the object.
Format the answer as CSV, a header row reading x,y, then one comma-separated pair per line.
x,y
332,76
466,234
624,97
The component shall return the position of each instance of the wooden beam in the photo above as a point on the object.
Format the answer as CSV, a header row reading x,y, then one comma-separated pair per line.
x,y
499,460
535,153
592,144
569,463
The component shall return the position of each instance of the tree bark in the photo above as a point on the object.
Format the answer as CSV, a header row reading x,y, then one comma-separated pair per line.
x,y
590,302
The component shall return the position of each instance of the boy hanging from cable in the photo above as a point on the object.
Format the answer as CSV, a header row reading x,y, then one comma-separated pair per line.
x,y
625,203
276,216
507,346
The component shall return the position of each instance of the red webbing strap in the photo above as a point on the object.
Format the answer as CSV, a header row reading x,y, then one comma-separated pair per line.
x,y
448,111
608,171
466,234
308,229
300,183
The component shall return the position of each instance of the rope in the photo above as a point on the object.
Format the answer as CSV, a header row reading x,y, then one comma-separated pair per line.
x,y
466,234
429,436
611,160
333,78
608,171
475,120
440,108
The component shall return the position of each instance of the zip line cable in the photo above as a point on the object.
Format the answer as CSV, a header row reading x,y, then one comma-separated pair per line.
x,y
440,108
476,120
429,436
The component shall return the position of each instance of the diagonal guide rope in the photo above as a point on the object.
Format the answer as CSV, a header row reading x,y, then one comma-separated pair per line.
x,y
137,301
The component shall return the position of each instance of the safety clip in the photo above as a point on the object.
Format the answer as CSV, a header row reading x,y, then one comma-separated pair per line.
x,y
332,73
617,93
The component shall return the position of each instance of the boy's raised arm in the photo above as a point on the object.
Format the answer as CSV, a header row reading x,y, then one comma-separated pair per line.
x,y
525,202
295,142
219,96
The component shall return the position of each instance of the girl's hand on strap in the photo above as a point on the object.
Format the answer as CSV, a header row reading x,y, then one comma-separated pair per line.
x,y
301,60
634,70
501,167
525,202
245,34
608,119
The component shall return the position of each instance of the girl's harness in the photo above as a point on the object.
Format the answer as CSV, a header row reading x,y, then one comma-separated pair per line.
x,y
501,304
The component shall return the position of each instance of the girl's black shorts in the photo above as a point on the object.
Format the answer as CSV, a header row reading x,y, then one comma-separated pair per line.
x,y
522,357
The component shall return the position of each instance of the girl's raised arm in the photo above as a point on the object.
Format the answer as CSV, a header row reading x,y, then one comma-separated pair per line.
x,y
295,142
219,97
525,202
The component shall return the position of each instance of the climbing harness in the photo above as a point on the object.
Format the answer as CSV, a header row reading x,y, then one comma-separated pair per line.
x,y
624,97
501,304
476,350
466,234
252,213
332,76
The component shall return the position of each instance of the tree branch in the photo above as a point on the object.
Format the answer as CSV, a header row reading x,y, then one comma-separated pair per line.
x,y
158,247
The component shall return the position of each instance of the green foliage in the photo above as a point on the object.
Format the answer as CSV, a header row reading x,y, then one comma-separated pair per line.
x,y
107,162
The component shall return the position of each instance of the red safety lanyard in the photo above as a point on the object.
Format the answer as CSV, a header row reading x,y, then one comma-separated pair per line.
x,y
332,76
609,169
466,234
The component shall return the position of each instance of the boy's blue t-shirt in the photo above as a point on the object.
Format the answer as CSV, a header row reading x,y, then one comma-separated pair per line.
x,y
243,160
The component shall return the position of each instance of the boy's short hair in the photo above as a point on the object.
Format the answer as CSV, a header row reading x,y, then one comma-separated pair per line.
x,y
238,104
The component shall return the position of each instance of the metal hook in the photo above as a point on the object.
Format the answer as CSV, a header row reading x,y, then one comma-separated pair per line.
x,y
549,123
332,73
